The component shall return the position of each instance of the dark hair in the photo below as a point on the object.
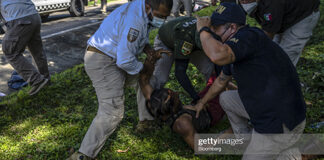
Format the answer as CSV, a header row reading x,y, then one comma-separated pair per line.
x,y
158,106
155,4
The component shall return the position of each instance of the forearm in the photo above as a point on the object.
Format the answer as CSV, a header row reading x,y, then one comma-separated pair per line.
x,y
217,87
183,79
145,76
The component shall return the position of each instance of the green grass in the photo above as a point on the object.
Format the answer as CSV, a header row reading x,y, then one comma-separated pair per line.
x,y
52,124
90,3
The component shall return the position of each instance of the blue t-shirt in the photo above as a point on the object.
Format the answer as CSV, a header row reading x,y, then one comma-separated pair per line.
x,y
15,9
267,80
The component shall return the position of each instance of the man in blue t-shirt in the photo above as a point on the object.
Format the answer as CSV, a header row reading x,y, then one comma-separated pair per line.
x,y
269,93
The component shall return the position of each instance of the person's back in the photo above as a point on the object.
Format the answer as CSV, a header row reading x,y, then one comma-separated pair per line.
x,y
15,9
275,16
167,32
267,80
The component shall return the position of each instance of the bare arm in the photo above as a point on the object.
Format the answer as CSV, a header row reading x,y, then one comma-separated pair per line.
x,y
147,71
145,76
219,53
218,86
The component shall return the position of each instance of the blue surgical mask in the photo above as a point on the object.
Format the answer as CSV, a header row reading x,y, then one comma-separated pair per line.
x,y
249,8
156,21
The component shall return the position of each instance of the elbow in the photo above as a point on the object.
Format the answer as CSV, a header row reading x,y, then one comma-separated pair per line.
x,y
129,68
219,57
217,60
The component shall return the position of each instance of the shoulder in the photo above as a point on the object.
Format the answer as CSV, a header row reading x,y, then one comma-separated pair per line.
x,y
248,33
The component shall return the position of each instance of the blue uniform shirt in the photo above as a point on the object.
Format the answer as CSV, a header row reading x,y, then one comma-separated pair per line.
x,y
15,9
123,35
268,82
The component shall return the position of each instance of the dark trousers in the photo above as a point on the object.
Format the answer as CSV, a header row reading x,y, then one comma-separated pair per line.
x,y
22,33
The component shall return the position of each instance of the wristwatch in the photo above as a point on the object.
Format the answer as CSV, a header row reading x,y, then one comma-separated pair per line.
x,y
205,28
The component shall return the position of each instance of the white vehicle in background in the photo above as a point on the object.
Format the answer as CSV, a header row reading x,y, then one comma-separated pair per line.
x,y
46,7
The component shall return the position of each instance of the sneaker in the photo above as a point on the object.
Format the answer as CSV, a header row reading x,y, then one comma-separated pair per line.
x,y
145,125
36,88
78,156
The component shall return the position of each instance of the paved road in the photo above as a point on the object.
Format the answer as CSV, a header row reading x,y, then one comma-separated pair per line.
x,y
64,39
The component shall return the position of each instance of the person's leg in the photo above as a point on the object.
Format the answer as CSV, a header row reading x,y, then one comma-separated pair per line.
x,y
108,81
35,46
104,6
294,39
162,67
188,7
235,111
18,35
275,146
132,81
203,63
183,126
176,8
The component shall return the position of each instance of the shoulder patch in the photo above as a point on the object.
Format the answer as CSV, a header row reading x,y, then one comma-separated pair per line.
x,y
186,48
267,17
132,35
235,40
187,24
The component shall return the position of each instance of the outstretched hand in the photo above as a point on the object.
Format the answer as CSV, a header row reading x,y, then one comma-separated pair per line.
x,y
198,107
154,55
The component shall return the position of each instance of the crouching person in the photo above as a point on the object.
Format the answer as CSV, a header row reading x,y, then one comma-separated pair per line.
x,y
111,63
269,93
165,106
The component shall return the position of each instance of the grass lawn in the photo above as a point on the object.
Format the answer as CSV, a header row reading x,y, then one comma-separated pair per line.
x,y
98,2
52,124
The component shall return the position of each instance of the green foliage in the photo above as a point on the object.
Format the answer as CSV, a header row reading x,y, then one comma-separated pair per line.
x,y
52,124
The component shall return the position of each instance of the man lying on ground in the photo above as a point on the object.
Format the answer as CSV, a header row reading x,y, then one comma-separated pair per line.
x,y
165,106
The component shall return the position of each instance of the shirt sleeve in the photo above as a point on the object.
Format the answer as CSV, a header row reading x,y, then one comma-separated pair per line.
x,y
271,13
227,70
127,49
243,44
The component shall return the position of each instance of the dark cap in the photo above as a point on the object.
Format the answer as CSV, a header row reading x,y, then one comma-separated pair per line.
x,y
228,13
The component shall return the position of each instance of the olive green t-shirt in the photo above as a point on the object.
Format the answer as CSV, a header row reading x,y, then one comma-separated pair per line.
x,y
181,36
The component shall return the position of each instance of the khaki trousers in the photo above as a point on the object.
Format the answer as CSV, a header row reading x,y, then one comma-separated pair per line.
x,y
109,82
22,33
294,39
261,146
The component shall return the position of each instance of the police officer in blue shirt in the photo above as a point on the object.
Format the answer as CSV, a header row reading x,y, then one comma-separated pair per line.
x,y
269,93
23,30
111,63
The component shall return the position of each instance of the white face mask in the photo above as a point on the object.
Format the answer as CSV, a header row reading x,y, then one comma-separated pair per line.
x,y
249,7
157,22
